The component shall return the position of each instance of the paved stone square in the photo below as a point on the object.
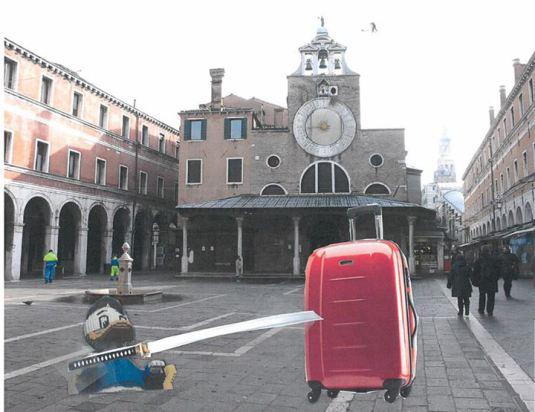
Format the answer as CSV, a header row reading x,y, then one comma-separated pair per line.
x,y
254,371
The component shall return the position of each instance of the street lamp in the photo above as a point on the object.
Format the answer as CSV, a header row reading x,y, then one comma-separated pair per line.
x,y
155,240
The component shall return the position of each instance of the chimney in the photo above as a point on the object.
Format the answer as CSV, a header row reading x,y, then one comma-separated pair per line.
x,y
503,96
491,115
217,83
519,69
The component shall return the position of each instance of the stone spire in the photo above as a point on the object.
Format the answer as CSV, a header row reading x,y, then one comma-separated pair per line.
x,y
445,172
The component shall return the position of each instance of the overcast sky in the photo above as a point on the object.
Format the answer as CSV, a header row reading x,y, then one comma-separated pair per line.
x,y
432,65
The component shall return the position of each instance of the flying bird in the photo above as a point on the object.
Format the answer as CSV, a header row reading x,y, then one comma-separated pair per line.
x,y
27,302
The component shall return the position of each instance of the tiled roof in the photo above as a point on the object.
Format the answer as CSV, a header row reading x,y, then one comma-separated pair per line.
x,y
295,201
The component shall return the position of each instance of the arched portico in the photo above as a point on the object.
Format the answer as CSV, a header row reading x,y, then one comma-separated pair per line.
x,y
38,236
96,239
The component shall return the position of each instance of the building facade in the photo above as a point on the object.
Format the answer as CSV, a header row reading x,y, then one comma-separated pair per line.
x,y
274,183
499,182
77,163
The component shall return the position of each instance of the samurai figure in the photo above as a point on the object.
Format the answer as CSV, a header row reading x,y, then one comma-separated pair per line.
x,y
106,327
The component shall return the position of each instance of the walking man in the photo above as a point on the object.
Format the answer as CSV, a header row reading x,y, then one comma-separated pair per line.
x,y
50,262
485,276
509,270
114,268
459,283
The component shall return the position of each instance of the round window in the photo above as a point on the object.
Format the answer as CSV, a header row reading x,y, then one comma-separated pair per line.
x,y
376,160
273,161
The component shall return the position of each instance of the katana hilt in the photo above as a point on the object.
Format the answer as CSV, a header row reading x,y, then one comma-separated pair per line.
x,y
140,349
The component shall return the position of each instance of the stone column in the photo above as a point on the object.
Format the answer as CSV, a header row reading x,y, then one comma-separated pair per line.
x,y
184,268
297,257
107,244
51,238
16,251
80,251
352,229
124,283
411,220
145,253
239,221
440,255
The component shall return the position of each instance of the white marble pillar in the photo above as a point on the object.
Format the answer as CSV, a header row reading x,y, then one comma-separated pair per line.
x,y
51,238
440,255
352,229
411,220
80,251
107,245
16,252
124,283
297,257
184,263
239,221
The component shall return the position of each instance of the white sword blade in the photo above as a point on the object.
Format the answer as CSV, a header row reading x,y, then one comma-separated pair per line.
x,y
276,321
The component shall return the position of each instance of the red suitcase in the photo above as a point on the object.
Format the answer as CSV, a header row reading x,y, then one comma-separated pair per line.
x,y
367,338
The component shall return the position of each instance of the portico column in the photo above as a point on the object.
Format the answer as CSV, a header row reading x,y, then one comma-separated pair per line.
x,y
297,258
352,229
440,255
16,251
51,238
107,245
239,221
411,220
184,268
80,251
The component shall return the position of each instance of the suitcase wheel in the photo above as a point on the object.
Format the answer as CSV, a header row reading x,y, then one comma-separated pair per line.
x,y
332,393
390,397
313,396
405,392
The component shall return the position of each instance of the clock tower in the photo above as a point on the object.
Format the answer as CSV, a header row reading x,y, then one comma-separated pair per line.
x,y
324,98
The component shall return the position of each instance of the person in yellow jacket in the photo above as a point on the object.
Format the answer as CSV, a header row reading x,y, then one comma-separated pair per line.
x,y
50,262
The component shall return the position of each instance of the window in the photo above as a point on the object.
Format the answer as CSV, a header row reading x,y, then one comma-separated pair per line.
x,y
41,156
77,104
143,177
273,190
46,90
123,177
501,182
324,177
235,128
144,135
177,149
10,71
195,129
159,187
515,163
521,105
126,127
194,171
505,127
376,160
73,169
508,173
103,117
512,111
530,90
377,189
100,172
8,146
176,192
161,143
273,161
234,171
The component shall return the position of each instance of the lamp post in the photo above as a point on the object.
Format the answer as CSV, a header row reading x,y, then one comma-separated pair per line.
x,y
155,240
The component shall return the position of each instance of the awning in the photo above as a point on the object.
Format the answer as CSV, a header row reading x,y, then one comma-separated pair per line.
x,y
520,232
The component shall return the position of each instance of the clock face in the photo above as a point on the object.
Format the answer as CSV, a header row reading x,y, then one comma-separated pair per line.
x,y
324,128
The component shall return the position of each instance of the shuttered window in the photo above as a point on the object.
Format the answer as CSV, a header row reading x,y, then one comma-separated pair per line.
x,y
235,128
234,171
194,172
195,129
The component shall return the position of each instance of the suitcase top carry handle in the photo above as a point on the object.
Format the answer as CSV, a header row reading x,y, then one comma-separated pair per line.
x,y
354,212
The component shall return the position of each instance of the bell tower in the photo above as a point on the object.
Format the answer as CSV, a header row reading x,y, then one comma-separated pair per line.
x,y
323,72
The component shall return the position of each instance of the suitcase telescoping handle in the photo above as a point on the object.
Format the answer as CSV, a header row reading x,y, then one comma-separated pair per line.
x,y
354,212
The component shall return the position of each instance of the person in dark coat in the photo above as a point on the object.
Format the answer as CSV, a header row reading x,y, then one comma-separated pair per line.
x,y
459,282
485,277
509,269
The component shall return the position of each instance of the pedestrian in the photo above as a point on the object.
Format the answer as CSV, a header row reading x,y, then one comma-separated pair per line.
x,y
485,277
509,270
50,261
459,283
239,268
114,268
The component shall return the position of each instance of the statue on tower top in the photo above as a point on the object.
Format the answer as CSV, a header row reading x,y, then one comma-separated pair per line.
x,y
322,21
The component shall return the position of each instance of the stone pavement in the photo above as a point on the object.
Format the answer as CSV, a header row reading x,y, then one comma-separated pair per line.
x,y
253,371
